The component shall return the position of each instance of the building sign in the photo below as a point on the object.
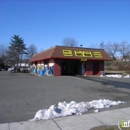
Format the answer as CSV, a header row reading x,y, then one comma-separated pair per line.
x,y
83,59
78,53
67,52
83,53
97,54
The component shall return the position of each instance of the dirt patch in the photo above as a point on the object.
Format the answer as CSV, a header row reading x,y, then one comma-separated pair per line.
x,y
108,128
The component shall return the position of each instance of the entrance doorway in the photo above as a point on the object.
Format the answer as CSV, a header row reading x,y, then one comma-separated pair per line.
x,y
95,68
71,67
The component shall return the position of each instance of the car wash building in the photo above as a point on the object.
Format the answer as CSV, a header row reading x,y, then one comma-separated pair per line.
x,y
62,60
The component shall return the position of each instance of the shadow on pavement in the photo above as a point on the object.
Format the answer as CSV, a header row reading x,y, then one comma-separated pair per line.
x,y
116,82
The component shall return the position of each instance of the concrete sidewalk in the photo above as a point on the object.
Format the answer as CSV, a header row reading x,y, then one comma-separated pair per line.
x,y
83,122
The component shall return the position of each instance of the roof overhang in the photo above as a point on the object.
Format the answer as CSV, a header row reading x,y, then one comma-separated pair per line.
x,y
75,53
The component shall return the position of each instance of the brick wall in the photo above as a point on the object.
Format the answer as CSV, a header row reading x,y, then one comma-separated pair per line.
x,y
89,68
57,67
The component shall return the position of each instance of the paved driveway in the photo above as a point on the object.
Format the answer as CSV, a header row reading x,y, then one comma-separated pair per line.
x,y
22,94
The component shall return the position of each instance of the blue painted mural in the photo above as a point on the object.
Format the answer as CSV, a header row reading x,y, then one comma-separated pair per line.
x,y
46,71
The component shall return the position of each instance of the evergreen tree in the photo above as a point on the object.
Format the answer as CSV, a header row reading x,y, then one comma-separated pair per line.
x,y
16,49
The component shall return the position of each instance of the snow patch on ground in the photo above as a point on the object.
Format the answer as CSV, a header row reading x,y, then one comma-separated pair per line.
x,y
71,108
116,76
127,76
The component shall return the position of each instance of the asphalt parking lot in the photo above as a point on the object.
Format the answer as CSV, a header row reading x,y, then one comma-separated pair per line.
x,y
23,94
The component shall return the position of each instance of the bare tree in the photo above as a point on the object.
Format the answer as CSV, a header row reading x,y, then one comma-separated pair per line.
x,y
102,45
69,42
3,54
32,49
97,45
94,45
124,49
41,50
112,49
3,49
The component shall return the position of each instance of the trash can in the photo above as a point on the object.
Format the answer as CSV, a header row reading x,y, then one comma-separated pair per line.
x,y
41,72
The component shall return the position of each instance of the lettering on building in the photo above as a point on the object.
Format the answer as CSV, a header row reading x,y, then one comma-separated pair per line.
x,y
79,53
67,52
97,54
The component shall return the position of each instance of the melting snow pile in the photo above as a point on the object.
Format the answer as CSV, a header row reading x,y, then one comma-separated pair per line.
x,y
127,76
71,108
116,76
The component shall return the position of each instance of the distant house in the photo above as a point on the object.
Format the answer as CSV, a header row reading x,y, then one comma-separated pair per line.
x,y
22,64
126,59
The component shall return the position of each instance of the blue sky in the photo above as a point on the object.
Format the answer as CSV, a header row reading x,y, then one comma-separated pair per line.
x,y
46,22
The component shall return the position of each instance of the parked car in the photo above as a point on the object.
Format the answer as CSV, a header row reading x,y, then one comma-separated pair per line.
x,y
20,69
12,69
25,69
7,67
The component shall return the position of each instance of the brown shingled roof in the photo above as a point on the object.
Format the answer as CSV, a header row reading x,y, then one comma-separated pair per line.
x,y
65,52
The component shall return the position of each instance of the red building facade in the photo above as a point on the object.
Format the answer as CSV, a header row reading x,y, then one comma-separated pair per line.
x,y
63,60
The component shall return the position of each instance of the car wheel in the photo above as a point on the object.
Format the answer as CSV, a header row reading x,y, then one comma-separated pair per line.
x,y
12,71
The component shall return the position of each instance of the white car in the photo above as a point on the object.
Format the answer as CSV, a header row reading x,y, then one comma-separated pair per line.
x,y
11,69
